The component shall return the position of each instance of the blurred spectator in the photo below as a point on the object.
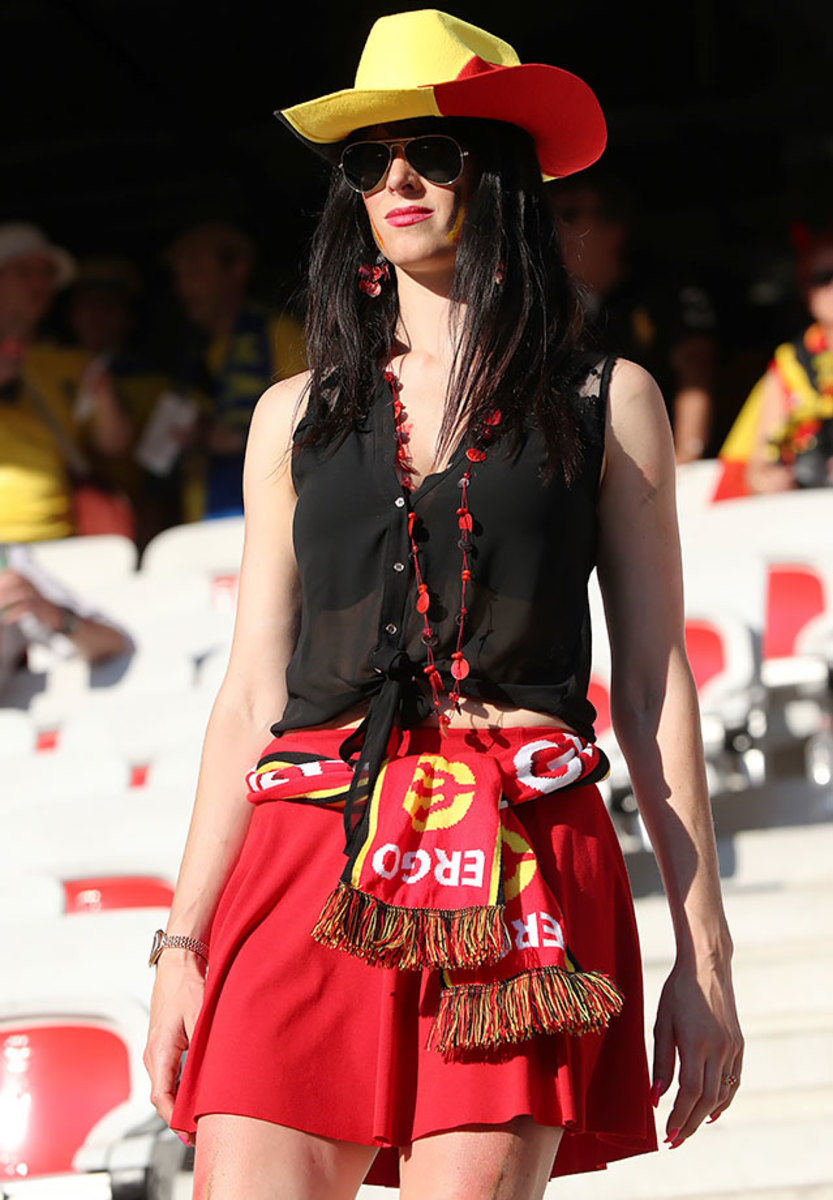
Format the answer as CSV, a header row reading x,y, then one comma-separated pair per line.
x,y
792,406
238,349
637,312
41,433
35,608
101,313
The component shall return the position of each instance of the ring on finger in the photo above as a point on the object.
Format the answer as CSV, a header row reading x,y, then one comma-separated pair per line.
x,y
729,1080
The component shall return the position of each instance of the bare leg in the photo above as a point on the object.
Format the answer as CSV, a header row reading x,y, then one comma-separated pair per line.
x,y
487,1162
243,1156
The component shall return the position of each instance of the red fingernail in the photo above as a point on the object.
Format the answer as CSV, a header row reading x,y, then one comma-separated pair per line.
x,y
673,1134
712,1120
674,1145
656,1092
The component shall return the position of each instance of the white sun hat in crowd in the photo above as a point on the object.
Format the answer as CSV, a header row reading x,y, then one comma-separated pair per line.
x,y
18,239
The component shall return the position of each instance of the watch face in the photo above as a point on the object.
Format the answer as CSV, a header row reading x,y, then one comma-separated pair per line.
x,y
156,947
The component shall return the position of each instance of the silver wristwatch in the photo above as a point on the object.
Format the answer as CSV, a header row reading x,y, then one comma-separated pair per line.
x,y
164,941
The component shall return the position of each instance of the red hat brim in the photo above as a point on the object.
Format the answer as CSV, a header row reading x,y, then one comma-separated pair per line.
x,y
557,108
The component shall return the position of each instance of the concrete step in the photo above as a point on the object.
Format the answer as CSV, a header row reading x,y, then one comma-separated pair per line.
x,y
821,1192
797,853
730,1158
777,803
758,917
772,982
799,1054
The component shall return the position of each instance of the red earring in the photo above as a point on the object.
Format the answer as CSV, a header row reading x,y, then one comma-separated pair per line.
x,y
371,278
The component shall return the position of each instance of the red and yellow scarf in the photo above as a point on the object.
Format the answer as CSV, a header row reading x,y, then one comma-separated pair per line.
x,y
443,875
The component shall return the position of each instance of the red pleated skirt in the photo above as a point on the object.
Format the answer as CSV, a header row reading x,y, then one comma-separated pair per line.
x,y
313,1038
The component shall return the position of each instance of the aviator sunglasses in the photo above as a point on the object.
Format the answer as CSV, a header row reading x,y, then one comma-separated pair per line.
x,y
436,157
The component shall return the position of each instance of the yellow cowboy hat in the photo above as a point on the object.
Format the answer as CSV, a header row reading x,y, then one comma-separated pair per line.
x,y
430,64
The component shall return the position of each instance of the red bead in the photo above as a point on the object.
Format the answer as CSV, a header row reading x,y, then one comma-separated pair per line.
x,y
459,668
493,418
475,455
465,575
465,522
423,601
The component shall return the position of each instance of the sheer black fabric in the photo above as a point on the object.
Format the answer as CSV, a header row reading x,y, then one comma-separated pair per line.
x,y
527,632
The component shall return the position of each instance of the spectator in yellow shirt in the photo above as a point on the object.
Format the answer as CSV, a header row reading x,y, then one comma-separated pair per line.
x,y
41,434
101,315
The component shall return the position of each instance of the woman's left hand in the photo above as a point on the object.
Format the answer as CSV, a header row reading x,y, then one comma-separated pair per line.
x,y
697,1022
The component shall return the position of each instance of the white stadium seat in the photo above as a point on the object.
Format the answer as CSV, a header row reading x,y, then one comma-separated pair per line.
x,y
83,563
207,547
138,831
696,483
33,780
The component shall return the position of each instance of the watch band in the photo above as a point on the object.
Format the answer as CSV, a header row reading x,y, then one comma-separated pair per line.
x,y
165,941
70,621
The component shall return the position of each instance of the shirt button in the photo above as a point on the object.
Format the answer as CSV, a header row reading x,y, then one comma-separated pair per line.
x,y
390,628
400,501
399,566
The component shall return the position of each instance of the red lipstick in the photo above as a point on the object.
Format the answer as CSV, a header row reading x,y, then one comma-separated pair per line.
x,y
410,214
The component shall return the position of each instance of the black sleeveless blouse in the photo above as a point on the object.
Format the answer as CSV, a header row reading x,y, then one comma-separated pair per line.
x,y
527,631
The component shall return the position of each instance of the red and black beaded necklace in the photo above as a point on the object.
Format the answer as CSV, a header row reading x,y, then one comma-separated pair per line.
x,y
475,453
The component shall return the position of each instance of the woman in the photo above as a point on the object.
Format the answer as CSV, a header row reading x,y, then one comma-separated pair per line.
x,y
793,439
415,569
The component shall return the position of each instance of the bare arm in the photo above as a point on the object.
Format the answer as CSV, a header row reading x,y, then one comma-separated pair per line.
x,y
94,640
693,360
250,699
655,716
762,473
111,429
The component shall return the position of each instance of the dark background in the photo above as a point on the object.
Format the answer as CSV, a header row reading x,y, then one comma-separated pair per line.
x,y
124,120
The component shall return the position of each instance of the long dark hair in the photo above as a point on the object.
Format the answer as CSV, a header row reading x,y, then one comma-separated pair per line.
x,y
517,335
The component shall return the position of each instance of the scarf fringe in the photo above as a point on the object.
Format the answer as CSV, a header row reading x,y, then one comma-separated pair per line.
x,y
547,1000
387,935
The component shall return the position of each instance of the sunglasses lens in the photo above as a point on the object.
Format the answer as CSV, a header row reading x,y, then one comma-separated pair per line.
x,y
436,158
364,163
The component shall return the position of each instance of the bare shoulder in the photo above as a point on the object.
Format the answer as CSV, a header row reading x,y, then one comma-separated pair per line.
x,y
634,394
281,406
638,429
274,420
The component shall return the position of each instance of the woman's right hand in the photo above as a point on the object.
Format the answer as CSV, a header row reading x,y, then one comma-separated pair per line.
x,y
174,1008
